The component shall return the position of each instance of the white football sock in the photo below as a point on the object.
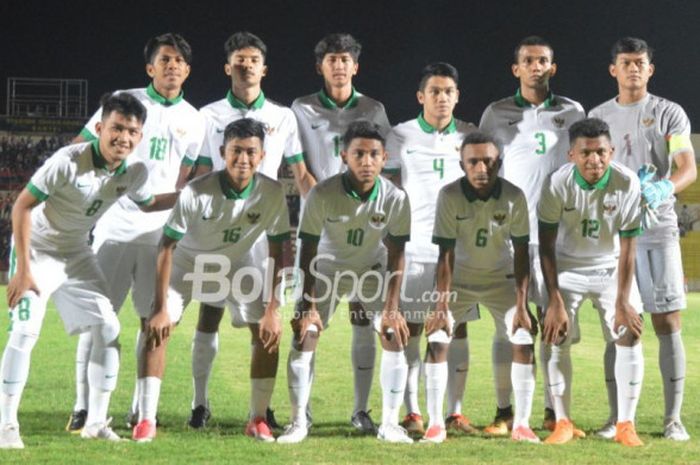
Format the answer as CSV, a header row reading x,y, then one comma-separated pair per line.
x,y
610,383
204,349
149,394
9,405
523,379
260,395
672,365
545,379
412,351
560,378
299,379
458,368
82,358
629,372
502,357
14,370
363,354
435,385
103,369
393,372
140,341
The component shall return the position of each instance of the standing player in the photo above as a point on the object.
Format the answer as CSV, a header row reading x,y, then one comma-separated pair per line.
x,y
423,157
51,220
348,221
647,129
126,239
532,126
589,217
245,64
482,229
323,119
221,214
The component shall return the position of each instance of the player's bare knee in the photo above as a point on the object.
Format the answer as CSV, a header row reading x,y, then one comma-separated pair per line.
x,y
666,323
627,340
209,318
415,329
460,331
436,352
358,315
524,354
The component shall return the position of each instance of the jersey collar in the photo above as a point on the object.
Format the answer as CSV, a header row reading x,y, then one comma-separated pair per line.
x,y
235,103
99,162
427,128
521,102
600,185
328,102
154,95
352,193
230,192
471,194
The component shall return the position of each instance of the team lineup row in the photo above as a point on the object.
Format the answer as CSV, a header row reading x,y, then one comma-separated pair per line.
x,y
474,244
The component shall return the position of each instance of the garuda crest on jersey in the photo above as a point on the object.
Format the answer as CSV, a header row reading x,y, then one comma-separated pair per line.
x,y
253,217
377,220
609,208
558,121
648,122
499,217
120,190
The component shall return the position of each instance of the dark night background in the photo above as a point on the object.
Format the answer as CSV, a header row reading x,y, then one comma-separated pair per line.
x,y
103,42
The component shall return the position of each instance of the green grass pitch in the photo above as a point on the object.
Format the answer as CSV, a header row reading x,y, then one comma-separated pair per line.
x,y
49,394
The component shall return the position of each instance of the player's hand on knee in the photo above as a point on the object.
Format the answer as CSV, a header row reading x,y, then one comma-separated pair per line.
x,y
270,331
394,322
157,329
526,320
437,320
556,323
309,323
18,286
627,317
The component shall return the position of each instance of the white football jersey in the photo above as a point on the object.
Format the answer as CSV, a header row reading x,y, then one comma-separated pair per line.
x,y
535,141
281,138
351,229
481,231
590,218
427,160
172,135
652,130
211,217
76,190
322,124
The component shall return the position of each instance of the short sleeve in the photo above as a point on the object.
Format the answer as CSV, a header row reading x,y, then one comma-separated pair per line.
x,y
50,177
549,208
382,120
520,228
293,152
311,224
486,123
206,151
676,128
631,214
278,230
139,189
399,229
445,228
181,215
393,148
89,133
195,141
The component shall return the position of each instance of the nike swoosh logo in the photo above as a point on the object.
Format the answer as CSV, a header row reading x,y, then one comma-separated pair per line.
x,y
333,220
461,218
396,391
555,384
4,381
365,368
673,380
513,121
569,209
84,185
110,376
669,299
411,151
634,383
464,370
205,218
219,131
316,126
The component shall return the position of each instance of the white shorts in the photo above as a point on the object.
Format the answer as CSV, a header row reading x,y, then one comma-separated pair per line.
x,y
77,286
600,286
660,278
129,266
537,290
332,284
418,281
244,300
498,295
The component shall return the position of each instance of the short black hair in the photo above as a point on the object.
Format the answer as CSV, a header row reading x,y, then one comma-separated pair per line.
x,y
530,41
438,69
362,129
176,41
480,137
588,128
631,45
123,103
244,39
244,128
338,42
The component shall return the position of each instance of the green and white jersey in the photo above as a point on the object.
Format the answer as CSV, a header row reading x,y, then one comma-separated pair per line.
x,y
322,124
535,141
352,229
281,138
652,130
172,135
427,160
482,232
211,217
76,190
590,218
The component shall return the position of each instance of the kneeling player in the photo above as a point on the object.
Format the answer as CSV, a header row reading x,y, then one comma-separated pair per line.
x,y
346,220
220,214
51,258
482,228
589,218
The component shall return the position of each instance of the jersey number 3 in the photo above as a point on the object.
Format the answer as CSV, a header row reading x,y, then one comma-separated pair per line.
x,y
541,143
